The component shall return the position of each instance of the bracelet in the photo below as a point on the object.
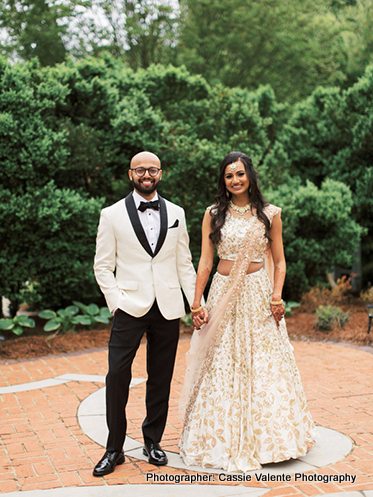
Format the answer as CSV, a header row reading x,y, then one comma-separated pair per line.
x,y
196,310
277,303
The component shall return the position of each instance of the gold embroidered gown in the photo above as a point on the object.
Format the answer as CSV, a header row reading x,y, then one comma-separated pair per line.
x,y
249,407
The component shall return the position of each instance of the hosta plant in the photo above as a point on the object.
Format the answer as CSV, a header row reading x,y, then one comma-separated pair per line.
x,y
17,324
62,320
289,306
92,314
330,317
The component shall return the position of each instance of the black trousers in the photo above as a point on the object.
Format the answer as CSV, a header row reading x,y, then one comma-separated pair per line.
x,y
125,338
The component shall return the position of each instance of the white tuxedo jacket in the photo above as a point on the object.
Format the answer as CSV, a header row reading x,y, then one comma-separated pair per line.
x,y
130,275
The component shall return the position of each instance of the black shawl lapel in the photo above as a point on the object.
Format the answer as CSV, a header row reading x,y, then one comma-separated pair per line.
x,y
136,224
164,225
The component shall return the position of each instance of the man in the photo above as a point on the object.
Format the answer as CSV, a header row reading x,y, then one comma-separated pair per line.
x,y
142,258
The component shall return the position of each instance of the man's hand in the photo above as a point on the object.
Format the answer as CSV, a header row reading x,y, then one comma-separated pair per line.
x,y
201,317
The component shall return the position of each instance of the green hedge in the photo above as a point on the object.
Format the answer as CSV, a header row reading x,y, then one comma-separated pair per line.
x,y
67,135
47,245
318,231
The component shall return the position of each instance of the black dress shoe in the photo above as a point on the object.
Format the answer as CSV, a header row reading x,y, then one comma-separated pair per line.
x,y
155,453
107,464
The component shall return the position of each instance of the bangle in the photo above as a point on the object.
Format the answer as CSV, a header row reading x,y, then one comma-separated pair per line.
x,y
196,310
279,302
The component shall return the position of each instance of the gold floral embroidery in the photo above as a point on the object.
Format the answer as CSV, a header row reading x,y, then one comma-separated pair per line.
x,y
247,406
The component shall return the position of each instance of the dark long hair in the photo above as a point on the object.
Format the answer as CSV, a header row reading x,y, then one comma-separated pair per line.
x,y
219,209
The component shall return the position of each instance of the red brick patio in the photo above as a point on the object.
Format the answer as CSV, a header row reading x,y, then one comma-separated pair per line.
x,y
43,446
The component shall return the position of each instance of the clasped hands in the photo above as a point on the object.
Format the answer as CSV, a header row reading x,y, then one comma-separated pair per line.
x,y
199,318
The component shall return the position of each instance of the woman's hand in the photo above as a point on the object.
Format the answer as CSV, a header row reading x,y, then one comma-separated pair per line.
x,y
278,312
199,318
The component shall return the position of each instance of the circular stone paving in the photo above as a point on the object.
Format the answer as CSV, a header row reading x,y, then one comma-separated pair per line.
x,y
330,447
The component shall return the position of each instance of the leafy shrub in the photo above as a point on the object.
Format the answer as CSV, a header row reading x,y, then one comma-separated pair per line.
x,y
330,317
68,134
318,295
92,314
64,319
367,296
316,144
47,239
341,292
321,295
319,231
67,319
17,324
289,306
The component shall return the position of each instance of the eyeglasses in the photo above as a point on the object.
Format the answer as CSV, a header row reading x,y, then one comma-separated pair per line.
x,y
140,171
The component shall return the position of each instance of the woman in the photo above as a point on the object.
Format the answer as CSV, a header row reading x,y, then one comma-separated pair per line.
x,y
242,403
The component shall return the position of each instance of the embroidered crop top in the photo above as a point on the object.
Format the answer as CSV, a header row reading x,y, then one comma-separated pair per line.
x,y
234,230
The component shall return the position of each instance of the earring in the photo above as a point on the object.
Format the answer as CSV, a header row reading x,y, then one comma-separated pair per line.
x,y
227,193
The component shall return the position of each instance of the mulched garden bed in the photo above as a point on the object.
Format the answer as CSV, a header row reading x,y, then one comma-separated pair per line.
x,y
301,326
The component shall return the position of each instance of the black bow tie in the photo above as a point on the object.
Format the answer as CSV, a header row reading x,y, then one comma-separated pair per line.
x,y
149,205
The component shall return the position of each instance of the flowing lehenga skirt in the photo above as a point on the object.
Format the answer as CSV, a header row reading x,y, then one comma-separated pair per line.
x,y
250,408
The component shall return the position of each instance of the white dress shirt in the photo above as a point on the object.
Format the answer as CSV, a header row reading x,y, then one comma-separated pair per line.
x,y
150,220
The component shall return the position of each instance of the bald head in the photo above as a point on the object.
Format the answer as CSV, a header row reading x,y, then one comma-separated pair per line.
x,y
145,158
145,174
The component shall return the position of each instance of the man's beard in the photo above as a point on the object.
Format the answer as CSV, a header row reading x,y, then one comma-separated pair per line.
x,y
146,190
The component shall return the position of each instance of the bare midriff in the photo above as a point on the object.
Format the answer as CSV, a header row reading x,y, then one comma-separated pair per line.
x,y
225,266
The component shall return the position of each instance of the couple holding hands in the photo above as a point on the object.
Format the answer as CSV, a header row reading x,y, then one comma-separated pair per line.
x,y
242,402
